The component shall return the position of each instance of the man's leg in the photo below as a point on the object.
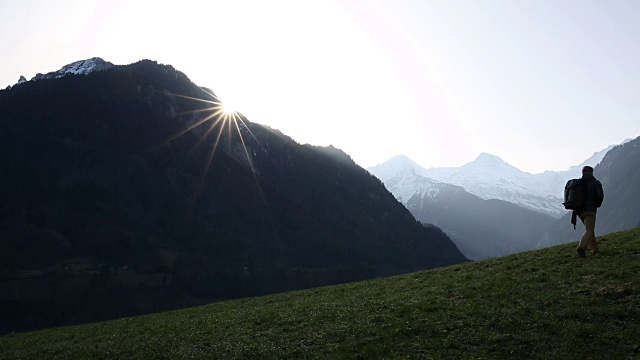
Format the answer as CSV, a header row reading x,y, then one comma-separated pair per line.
x,y
588,240
593,244
583,241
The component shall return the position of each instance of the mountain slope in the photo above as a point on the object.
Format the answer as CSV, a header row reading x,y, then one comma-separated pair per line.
x,y
122,193
480,228
525,306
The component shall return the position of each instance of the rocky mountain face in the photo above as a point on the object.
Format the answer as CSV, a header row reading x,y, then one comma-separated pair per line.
x,y
619,173
124,192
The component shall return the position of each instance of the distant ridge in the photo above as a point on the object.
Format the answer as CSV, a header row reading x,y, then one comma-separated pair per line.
x,y
490,177
481,228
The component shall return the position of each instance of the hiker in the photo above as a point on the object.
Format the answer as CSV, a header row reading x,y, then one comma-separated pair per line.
x,y
594,195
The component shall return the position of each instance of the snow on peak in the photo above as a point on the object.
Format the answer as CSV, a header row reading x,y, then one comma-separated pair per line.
x,y
81,67
85,66
487,158
488,163
396,165
399,161
402,177
487,177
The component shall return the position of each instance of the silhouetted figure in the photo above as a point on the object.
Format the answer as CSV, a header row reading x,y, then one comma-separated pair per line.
x,y
594,195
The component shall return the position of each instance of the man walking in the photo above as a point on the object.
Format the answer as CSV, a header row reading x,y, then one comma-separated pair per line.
x,y
594,195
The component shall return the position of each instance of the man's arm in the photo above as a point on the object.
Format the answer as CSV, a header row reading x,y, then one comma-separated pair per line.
x,y
599,194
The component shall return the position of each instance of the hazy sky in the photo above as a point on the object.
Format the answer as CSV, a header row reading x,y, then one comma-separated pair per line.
x,y
542,84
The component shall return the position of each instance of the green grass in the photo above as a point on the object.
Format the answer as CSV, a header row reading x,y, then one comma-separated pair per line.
x,y
545,304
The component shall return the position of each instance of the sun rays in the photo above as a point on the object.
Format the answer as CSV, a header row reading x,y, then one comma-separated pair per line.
x,y
220,121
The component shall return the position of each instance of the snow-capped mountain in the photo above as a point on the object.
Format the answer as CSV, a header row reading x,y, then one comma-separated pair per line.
x,y
480,228
400,176
487,177
82,67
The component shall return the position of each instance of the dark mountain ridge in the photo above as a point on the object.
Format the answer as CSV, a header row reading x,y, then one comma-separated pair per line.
x,y
480,228
105,211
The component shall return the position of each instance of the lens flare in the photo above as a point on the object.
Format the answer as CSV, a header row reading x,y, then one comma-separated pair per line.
x,y
223,120
228,108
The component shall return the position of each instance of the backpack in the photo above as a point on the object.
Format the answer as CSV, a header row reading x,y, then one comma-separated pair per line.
x,y
574,194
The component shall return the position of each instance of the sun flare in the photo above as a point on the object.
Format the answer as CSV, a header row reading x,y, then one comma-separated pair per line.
x,y
223,122
228,108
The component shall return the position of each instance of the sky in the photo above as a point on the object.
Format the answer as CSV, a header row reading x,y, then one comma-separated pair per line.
x,y
542,84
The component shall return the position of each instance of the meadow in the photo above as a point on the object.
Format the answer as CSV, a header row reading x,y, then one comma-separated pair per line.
x,y
544,304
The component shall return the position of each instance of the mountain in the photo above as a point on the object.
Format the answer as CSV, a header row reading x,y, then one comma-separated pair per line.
x,y
489,177
619,172
124,191
592,161
400,176
480,228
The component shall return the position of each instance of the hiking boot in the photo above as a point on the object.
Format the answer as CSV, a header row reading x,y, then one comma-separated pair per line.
x,y
581,252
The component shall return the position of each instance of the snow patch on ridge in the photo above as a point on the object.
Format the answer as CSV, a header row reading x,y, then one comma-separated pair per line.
x,y
82,67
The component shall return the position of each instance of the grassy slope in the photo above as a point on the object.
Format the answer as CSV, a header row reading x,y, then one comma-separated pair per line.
x,y
544,304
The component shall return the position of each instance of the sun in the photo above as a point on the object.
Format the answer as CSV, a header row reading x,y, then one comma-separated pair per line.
x,y
222,122
228,108
219,118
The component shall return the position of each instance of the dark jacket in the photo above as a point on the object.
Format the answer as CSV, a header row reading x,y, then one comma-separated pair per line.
x,y
594,192
594,197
